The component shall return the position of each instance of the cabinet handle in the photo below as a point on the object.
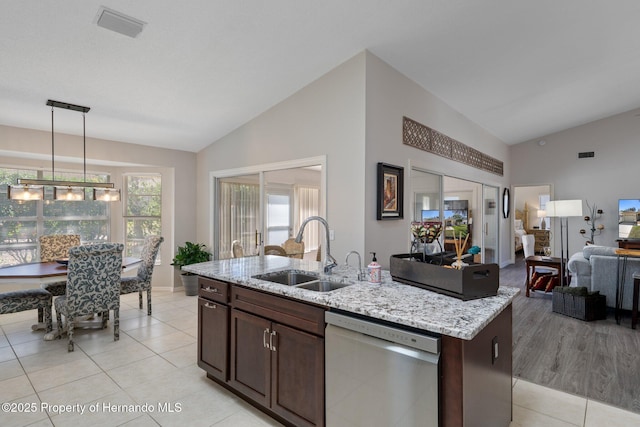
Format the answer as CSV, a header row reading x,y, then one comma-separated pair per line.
x,y
264,338
273,334
209,305
210,289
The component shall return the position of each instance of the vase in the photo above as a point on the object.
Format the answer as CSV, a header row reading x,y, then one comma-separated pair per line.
x,y
459,264
190,284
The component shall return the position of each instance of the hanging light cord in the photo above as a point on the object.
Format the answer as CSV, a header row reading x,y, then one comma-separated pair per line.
x,y
84,147
53,171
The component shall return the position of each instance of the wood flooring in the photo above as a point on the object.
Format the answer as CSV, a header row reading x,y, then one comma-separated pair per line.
x,y
599,360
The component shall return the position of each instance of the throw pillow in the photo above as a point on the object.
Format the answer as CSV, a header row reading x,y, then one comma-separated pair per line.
x,y
552,283
539,280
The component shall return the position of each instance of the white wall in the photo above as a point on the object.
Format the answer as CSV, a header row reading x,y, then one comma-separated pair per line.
x,y
324,118
27,147
390,96
327,117
609,176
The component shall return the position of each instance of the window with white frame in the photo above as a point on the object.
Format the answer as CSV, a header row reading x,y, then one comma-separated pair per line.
x,y
307,203
142,210
23,222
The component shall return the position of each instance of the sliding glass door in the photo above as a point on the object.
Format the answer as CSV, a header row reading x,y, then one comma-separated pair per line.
x,y
265,208
490,218
240,215
426,189
468,211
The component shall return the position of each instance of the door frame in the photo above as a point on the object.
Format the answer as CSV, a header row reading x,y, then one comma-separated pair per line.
x,y
516,195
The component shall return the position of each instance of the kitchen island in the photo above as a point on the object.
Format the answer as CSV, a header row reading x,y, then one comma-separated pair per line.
x,y
471,371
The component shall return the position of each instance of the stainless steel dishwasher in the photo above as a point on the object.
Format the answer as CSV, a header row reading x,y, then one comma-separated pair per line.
x,y
378,374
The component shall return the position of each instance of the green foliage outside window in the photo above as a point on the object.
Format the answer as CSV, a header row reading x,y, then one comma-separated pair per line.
x,y
143,209
21,223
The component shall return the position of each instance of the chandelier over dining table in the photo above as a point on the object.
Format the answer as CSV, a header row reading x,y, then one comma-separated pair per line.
x,y
33,189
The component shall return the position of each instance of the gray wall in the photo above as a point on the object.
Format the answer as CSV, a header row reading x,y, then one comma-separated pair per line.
x,y
390,96
609,176
327,117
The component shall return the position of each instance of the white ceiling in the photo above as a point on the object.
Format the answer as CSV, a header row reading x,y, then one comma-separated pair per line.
x,y
201,68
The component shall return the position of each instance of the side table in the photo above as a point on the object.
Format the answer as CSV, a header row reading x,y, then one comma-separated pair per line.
x,y
539,261
623,255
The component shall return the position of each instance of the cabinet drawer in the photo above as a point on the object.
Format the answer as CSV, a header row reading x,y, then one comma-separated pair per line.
x,y
299,315
213,290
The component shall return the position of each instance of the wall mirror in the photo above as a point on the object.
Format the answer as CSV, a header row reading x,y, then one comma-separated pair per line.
x,y
505,203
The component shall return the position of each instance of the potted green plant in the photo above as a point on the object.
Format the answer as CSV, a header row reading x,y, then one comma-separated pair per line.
x,y
190,253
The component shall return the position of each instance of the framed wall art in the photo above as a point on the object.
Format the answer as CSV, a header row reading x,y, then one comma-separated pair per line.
x,y
390,191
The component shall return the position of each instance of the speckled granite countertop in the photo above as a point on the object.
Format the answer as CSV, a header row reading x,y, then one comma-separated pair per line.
x,y
391,301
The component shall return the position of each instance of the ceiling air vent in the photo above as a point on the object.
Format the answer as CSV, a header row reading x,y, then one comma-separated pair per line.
x,y
119,22
586,154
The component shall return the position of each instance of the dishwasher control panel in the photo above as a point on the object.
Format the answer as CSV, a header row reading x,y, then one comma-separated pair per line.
x,y
395,335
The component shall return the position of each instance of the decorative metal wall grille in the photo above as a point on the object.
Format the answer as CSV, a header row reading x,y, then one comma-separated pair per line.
x,y
424,138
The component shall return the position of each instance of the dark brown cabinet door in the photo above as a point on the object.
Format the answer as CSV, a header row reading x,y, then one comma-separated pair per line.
x,y
251,356
297,385
213,338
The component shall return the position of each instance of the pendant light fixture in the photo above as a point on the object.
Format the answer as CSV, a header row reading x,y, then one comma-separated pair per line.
x,y
33,189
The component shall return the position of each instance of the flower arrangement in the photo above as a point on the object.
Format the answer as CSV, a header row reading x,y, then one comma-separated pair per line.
x,y
426,232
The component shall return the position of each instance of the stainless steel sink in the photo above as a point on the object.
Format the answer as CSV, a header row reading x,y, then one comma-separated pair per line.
x,y
288,277
302,279
323,285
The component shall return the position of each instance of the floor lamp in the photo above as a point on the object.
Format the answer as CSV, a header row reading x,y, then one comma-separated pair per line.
x,y
563,209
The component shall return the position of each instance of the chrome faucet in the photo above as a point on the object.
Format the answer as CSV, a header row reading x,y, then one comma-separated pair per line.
x,y
329,261
361,274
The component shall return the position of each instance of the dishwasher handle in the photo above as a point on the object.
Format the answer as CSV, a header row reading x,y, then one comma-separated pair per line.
x,y
367,340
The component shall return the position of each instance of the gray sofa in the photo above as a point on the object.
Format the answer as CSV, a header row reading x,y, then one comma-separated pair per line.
x,y
596,268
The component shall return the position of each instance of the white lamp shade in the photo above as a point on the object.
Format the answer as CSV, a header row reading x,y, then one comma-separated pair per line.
x,y
106,194
541,213
564,208
25,192
68,193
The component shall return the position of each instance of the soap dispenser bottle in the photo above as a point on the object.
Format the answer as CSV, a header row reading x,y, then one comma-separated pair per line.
x,y
375,270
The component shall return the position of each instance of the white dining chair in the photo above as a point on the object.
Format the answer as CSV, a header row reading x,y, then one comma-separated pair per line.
x,y
528,245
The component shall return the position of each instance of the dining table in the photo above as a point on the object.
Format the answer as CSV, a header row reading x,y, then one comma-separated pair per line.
x,y
34,274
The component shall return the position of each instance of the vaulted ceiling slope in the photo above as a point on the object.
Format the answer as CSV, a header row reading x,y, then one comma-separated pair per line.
x,y
201,68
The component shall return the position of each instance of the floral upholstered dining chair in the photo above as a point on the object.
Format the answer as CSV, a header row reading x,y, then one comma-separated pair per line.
x,y
55,247
93,286
142,281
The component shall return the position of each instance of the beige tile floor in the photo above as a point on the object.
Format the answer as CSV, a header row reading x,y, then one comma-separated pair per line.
x,y
150,378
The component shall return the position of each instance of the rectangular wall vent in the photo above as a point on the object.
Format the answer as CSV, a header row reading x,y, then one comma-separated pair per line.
x,y
119,22
586,154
